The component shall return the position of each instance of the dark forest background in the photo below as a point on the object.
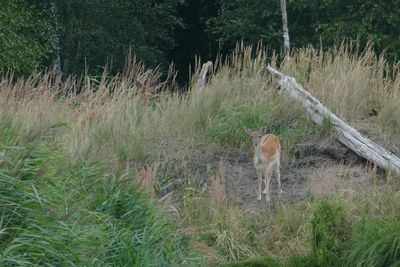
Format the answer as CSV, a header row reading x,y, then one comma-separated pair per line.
x,y
87,35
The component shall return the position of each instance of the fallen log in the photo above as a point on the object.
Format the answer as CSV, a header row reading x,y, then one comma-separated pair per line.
x,y
346,134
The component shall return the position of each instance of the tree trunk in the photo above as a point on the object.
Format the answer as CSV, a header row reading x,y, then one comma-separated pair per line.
x,y
56,40
347,135
286,43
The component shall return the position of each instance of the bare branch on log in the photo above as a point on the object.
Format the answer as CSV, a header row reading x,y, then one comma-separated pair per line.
x,y
346,134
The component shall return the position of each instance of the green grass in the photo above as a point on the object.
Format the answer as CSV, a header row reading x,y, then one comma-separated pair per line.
x,y
255,262
330,230
375,243
58,213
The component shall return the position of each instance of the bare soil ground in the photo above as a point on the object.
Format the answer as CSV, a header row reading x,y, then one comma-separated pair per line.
x,y
320,168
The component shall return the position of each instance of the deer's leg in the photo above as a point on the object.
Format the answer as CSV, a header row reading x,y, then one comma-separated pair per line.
x,y
278,177
267,182
259,179
277,171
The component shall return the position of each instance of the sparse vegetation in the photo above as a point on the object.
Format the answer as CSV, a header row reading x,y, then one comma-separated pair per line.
x,y
102,178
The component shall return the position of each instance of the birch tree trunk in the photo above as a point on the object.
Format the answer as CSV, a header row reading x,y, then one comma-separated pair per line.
x,y
56,40
286,42
346,134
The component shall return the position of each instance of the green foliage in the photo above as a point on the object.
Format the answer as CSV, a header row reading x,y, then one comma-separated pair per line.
x,y
229,245
193,39
326,127
326,123
376,243
329,240
93,34
334,20
302,261
227,125
89,34
250,21
25,39
330,230
309,22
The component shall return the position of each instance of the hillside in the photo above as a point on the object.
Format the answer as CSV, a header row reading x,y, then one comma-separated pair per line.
x,y
109,177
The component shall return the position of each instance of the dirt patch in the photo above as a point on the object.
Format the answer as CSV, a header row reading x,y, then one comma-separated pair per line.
x,y
318,170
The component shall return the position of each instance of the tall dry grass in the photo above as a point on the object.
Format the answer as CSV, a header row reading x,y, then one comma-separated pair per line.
x,y
110,119
362,88
156,139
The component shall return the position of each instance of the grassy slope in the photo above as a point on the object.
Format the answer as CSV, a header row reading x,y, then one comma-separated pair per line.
x,y
77,214
74,168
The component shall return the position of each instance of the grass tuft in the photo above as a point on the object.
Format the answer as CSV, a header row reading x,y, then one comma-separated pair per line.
x,y
376,243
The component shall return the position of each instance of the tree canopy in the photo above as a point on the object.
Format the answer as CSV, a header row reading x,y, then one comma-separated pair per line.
x,y
25,38
87,35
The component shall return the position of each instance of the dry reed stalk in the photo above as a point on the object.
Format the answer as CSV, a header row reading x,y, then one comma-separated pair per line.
x,y
148,178
217,188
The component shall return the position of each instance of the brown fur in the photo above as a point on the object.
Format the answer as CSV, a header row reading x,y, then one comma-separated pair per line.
x,y
270,145
266,159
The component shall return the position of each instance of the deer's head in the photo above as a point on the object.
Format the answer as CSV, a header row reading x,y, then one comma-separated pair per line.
x,y
256,135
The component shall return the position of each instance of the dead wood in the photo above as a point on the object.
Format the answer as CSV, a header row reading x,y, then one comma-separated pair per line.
x,y
346,134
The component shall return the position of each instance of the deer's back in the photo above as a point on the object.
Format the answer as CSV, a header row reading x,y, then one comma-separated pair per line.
x,y
270,147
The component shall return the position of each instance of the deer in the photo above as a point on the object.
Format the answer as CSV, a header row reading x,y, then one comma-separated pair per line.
x,y
266,159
